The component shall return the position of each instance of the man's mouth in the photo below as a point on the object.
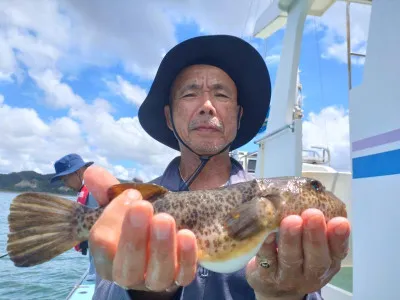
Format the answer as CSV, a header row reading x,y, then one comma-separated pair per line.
x,y
207,128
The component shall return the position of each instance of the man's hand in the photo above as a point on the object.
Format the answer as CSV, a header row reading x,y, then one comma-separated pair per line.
x,y
134,247
309,254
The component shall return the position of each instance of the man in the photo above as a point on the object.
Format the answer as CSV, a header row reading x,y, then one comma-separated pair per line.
x,y
210,96
70,170
136,179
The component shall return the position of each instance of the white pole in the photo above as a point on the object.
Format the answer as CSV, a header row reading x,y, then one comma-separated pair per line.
x,y
281,154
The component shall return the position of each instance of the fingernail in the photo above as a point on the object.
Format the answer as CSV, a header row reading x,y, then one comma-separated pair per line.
x,y
294,230
186,245
131,196
138,219
179,279
172,287
162,232
341,229
270,239
314,222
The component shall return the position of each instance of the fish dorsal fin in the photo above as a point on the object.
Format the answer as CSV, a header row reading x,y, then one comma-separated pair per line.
x,y
149,191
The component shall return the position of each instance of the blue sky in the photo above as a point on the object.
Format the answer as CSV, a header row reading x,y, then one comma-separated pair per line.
x,y
76,88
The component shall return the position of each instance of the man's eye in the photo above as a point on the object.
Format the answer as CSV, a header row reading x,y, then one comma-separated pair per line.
x,y
221,95
189,95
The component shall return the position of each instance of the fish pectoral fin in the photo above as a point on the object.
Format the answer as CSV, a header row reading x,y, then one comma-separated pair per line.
x,y
149,191
243,222
250,218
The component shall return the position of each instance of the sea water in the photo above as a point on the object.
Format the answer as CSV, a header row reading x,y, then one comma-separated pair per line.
x,y
51,280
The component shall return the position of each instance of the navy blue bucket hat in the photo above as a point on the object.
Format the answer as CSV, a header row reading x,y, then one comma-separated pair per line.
x,y
233,55
68,165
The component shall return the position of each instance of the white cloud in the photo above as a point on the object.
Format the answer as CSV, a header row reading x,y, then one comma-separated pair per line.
x,y
58,94
134,32
329,128
29,143
8,63
121,138
220,17
332,25
90,130
33,35
33,52
123,173
65,128
15,131
37,16
69,35
131,92
272,59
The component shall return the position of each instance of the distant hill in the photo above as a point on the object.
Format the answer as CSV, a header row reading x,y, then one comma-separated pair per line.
x,y
33,182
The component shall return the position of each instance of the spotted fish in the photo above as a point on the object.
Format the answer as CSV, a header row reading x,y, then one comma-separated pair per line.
x,y
230,223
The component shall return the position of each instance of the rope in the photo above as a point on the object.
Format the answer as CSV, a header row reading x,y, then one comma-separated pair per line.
x,y
320,76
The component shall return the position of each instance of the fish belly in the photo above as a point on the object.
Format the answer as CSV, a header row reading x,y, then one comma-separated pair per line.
x,y
236,261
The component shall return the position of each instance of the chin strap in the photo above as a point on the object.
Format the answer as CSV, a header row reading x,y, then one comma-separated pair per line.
x,y
203,158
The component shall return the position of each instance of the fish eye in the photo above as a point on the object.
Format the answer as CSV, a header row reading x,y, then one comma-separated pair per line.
x,y
316,185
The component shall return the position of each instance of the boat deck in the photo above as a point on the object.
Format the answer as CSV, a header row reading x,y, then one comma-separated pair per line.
x,y
344,279
83,290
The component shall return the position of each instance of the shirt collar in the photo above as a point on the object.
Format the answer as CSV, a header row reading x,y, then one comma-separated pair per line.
x,y
171,178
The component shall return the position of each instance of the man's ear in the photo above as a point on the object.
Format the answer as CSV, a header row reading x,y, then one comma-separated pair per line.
x,y
240,114
167,113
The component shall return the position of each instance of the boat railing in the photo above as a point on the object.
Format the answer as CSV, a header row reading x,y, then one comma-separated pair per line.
x,y
275,132
316,158
81,279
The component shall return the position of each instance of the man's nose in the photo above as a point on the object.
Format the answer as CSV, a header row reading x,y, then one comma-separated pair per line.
x,y
207,106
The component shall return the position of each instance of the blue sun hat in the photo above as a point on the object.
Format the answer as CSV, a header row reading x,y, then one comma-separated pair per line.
x,y
239,59
68,165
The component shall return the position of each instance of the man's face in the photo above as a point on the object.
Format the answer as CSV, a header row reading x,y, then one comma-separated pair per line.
x,y
72,181
205,108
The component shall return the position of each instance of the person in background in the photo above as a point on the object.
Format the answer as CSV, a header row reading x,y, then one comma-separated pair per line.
x,y
70,170
137,180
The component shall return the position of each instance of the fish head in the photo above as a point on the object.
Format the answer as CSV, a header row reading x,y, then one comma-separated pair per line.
x,y
292,195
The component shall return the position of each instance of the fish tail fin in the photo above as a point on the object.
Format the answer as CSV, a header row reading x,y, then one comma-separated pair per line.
x,y
41,227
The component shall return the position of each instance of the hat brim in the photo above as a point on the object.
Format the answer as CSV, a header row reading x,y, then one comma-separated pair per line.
x,y
69,171
233,55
